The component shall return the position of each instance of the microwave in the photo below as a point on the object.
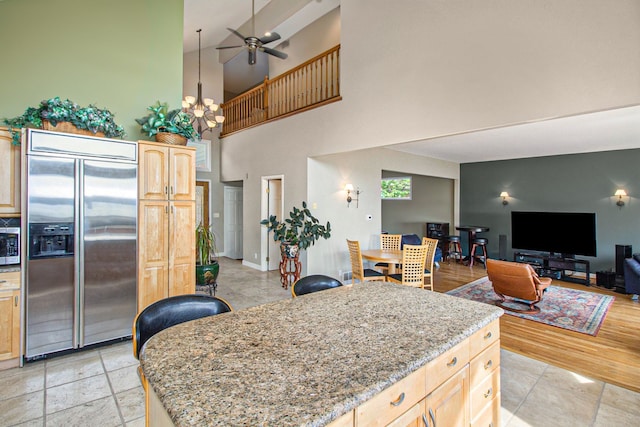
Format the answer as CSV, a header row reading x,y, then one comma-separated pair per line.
x,y
9,245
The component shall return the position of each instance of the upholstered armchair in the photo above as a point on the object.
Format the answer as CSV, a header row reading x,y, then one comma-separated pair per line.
x,y
517,280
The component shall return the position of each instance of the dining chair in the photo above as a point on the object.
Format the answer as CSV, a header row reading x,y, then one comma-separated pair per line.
x,y
432,245
357,266
413,261
388,241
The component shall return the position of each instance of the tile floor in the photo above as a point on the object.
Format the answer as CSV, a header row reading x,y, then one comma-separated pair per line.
x,y
100,387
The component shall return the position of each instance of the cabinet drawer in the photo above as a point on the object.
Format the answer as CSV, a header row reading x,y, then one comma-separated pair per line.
x,y
393,401
10,280
447,364
489,416
484,364
484,337
484,393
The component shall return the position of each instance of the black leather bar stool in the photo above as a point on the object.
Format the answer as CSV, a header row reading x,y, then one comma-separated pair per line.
x,y
479,243
453,248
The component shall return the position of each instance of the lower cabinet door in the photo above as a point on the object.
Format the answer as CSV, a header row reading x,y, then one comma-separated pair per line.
x,y
9,324
414,417
448,405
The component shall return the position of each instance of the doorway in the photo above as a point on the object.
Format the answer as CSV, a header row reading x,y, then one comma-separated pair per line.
x,y
233,222
272,204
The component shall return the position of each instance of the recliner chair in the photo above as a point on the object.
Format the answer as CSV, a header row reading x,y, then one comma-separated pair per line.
x,y
517,280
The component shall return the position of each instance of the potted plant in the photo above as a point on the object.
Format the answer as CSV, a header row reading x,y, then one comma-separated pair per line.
x,y
297,232
56,114
207,268
171,126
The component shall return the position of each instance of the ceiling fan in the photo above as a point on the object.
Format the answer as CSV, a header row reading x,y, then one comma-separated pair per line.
x,y
253,43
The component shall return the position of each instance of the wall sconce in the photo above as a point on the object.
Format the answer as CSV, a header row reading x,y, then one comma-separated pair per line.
x,y
620,192
349,188
504,196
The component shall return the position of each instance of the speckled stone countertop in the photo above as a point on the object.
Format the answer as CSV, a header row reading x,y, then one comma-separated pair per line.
x,y
307,360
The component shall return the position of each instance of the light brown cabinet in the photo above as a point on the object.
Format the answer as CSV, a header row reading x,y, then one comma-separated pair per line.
x,y
9,315
461,387
9,175
166,221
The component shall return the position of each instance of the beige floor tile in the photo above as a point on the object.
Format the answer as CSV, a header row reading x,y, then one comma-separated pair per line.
x,y
32,423
609,416
548,405
77,393
22,382
131,403
22,408
124,378
577,385
138,422
514,387
73,356
519,363
118,357
102,412
74,369
621,398
28,367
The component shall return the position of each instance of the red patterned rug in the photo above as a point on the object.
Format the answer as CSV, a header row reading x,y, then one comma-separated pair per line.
x,y
566,308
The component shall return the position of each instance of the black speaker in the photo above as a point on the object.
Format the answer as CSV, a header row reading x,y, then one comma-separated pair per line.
x,y
502,246
622,252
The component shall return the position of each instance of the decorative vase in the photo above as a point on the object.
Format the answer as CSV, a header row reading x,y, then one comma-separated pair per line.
x,y
288,250
202,278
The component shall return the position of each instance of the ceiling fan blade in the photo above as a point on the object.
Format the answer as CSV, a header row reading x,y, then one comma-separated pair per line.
x,y
274,52
270,38
229,47
236,33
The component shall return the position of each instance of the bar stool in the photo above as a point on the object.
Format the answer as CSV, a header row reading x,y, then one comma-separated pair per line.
x,y
453,247
479,243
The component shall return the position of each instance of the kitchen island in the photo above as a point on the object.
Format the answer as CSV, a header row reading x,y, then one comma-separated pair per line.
x,y
370,353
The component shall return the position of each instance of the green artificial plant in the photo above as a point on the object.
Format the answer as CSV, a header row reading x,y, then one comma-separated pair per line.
x,y
161,119
301,228
55,110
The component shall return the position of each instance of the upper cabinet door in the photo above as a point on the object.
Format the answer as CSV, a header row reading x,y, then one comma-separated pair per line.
x,y
153,172
182,171
9,175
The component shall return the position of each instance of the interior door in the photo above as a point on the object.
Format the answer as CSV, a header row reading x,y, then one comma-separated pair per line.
x,y
233,222
275,208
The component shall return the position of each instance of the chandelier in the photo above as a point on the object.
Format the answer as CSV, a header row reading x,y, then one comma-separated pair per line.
x,y
204,113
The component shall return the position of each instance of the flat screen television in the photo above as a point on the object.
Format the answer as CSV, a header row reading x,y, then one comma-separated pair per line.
x,y
566,233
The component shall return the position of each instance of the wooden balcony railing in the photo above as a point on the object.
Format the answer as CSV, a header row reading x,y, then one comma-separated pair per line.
x,y
309,85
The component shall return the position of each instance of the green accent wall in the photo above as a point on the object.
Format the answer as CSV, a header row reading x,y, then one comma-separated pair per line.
x,y
121,55
568,183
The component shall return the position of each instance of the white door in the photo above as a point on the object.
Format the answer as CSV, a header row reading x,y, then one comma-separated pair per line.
x,y
274,187
233,222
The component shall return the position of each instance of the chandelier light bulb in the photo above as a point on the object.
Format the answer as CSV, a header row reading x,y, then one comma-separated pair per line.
x,y
190,99
198,112
211,123
214,107
208,102
219,119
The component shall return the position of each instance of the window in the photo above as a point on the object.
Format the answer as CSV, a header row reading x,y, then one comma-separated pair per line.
x,y
398,188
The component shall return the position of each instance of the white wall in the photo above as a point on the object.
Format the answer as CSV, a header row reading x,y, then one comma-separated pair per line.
x,y
415,70
314,39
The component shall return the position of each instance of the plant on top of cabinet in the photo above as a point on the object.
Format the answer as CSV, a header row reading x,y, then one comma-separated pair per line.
x,y
162,122
52,112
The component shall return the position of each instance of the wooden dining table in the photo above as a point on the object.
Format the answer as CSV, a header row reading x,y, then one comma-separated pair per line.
x,y
389,256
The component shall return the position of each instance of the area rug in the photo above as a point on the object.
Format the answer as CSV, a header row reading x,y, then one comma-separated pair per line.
x,y
571,309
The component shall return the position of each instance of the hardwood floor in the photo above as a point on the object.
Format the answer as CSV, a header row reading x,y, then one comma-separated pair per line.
x,y
612,356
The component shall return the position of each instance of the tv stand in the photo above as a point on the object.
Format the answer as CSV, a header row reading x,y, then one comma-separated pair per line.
x,y
555,266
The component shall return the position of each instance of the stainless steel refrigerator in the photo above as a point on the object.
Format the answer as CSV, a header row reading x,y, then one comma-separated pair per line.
x,y
80,258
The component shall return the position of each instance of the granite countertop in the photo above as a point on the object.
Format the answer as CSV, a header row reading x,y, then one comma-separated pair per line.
x,y
307,360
